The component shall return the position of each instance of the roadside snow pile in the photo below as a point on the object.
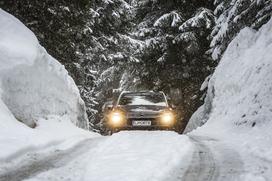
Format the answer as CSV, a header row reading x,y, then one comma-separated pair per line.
x,y
238,108
33,84
36,90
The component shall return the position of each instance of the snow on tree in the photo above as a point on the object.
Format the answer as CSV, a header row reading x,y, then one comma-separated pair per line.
x,y
234,15
172,19
203,18
171,58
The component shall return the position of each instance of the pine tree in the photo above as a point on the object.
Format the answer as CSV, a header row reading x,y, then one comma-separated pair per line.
x,y
234,15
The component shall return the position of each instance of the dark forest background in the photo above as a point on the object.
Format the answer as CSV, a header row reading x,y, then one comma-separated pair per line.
x,y
113,45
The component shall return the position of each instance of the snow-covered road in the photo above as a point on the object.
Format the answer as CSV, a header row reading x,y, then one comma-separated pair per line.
x,y
212,161
33,163
132,156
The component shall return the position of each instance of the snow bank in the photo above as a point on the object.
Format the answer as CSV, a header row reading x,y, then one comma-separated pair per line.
x,y
240,99
36,90
33,84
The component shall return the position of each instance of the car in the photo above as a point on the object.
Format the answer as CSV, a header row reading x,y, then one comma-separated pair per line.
x,y
140,110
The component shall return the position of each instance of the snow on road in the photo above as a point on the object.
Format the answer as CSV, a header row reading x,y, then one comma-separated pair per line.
x,y
32,163
213,160
137,155
132,156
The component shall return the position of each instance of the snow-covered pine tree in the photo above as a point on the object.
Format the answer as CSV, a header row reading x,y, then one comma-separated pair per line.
x,y
173,59
232,16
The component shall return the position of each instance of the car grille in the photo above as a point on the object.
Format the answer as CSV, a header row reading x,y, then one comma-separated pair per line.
x,y
138,115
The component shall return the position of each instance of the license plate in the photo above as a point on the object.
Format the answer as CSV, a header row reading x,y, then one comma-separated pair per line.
x,y
141,123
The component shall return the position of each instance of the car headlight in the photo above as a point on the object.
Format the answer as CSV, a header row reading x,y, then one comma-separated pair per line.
x,y
116,118
167,118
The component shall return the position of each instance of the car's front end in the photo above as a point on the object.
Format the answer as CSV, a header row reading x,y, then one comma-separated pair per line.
x,y
120,119
141,115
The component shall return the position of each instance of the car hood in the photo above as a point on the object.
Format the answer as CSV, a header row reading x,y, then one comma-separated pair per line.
x,y
143,111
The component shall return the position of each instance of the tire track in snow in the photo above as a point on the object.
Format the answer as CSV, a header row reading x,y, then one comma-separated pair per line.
x,y
41,162
203,166
213,162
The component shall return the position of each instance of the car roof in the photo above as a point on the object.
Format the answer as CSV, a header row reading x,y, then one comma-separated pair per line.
x,y
140,92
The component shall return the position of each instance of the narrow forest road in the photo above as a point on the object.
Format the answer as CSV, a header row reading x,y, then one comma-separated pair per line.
x,y
137,155
213,162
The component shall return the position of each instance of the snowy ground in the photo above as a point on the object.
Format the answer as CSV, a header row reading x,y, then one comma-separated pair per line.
x,y
131,156
137,155
35,90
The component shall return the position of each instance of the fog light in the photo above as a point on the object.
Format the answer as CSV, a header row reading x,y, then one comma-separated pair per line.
x,y
116,118
167,118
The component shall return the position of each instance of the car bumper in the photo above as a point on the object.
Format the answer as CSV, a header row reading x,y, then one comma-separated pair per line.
x,y
154,126
146,128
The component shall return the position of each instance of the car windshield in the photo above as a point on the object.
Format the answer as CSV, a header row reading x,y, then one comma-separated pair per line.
x,y
142,99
